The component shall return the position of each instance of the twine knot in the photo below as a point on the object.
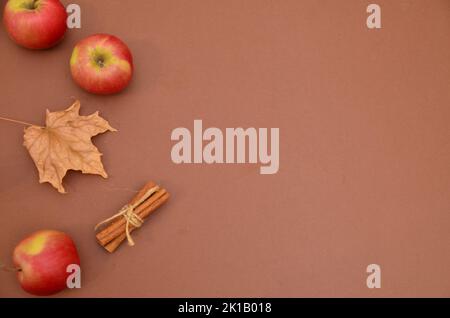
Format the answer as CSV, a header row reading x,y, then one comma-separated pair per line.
x,y
131,218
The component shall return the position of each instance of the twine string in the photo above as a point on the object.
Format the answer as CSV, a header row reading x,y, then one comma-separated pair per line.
x,y
127,212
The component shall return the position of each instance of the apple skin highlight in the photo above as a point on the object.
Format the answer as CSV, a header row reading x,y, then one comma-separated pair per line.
x,y
102,64
35,24
43,258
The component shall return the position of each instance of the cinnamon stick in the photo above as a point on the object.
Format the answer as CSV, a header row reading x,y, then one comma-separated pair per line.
x,y
118,227
115,232
120,222
115,243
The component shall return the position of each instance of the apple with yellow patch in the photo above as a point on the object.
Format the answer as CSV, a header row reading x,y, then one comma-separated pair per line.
x,y
35,24
42,260
102,64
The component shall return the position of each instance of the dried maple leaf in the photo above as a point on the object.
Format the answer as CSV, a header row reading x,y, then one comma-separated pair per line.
x,y
65,144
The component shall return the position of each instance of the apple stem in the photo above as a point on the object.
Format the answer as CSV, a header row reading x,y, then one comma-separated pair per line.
x,y
16,121
5,268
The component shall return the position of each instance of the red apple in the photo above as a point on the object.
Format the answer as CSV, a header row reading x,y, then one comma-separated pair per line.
x,y
42,260
102,64
35,24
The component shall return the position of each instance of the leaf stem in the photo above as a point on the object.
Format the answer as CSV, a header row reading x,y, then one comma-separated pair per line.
x,y
16,121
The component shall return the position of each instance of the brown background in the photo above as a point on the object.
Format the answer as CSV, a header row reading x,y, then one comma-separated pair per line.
x,y
365,148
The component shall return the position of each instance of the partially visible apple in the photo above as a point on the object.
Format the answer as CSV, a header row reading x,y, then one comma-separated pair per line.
x,y
102,64
35,24
42,260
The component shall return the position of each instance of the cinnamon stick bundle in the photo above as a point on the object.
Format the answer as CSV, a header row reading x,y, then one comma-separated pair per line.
x,y
119,227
